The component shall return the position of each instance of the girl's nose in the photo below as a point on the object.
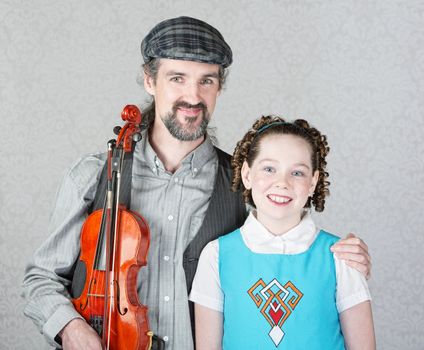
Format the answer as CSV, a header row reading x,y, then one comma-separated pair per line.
x,y
282,182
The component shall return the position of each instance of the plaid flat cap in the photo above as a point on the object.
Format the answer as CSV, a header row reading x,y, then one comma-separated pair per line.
x,y
186,38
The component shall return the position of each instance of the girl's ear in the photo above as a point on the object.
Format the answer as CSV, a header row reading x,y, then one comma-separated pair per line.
x,y
314,183
245,176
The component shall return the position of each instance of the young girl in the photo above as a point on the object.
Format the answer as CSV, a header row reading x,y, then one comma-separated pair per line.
x,y
274,283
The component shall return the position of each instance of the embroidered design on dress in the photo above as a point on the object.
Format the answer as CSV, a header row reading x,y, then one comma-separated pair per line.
x,y
276,303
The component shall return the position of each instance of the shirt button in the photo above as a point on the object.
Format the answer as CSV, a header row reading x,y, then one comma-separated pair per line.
x,y
157,162
170,217
166,258
165,338
176,180
166,298
195,170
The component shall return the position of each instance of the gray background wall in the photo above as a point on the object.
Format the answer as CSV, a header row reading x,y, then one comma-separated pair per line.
x,y
355,69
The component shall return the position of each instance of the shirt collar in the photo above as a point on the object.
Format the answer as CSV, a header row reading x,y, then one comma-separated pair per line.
x,y
295,241
145,153
194,161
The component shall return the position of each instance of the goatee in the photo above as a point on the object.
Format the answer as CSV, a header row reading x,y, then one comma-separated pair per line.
x,y
184,133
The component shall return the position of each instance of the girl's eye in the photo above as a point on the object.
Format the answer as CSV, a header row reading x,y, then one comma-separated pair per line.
x,y
297,173
269,169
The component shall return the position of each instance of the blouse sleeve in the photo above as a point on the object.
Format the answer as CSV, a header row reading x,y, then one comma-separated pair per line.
x,y
206,289
352,287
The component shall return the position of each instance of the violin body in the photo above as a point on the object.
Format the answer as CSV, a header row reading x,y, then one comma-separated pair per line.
x,y
128,317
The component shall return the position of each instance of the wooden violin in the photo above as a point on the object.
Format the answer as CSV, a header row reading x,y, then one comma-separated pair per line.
x,y
114,246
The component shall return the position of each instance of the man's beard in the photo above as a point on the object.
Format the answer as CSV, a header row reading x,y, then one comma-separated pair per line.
x,y
179,131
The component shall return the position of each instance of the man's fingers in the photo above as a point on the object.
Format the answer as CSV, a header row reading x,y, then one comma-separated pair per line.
x,y
363,259
359,262
350,235
350,248
349,243
364,269
354,251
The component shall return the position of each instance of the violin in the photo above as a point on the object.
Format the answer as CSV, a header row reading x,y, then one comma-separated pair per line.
x,y
114,246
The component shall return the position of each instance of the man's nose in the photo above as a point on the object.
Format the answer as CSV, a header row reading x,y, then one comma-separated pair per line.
x,y
192,93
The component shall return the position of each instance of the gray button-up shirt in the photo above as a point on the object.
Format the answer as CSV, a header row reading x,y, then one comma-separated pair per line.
x,y
174,205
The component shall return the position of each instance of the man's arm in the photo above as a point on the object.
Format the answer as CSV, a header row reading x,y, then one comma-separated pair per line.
x,y
48,275
354,251
78,335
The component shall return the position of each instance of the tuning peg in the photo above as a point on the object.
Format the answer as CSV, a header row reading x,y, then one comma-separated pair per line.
x,y
117,130
136,137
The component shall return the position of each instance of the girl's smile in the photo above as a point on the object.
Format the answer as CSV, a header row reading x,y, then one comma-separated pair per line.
x,y
279,200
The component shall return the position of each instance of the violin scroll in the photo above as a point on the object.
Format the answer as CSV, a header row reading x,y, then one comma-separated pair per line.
x,y
130,132
131,114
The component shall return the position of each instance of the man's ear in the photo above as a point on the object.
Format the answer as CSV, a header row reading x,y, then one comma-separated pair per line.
x,y
149,84
245,176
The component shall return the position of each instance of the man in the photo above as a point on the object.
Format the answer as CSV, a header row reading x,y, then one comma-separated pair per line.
x,y
180,184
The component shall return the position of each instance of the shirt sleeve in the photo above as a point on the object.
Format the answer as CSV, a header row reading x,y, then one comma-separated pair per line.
x,y
48,274
352,287
206,289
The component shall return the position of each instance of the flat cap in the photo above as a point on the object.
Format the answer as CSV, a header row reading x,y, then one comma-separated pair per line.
x,y
186,38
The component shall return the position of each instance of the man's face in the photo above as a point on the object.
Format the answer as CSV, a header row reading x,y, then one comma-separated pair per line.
x,y
185,94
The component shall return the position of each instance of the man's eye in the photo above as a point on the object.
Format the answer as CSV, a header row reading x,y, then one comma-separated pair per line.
x,y
207,81
177,79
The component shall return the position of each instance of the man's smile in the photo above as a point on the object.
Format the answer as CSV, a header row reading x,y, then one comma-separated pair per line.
x,y
190,112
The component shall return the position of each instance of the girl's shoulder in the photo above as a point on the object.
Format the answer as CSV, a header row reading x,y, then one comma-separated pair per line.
x,y
327,237
231,236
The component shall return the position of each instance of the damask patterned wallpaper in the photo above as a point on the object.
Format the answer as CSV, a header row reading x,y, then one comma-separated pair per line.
x,y
355,69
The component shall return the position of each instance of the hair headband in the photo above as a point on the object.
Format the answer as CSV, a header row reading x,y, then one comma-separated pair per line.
x,y
267,126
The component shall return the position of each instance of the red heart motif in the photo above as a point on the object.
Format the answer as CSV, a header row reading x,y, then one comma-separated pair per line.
x,y
276,315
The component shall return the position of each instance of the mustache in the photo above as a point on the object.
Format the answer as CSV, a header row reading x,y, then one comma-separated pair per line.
x,y
184,104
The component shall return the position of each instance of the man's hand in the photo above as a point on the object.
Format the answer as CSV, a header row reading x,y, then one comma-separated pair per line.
x,y
78,335
354,251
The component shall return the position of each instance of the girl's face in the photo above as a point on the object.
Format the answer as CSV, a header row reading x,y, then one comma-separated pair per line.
x,y
281,179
